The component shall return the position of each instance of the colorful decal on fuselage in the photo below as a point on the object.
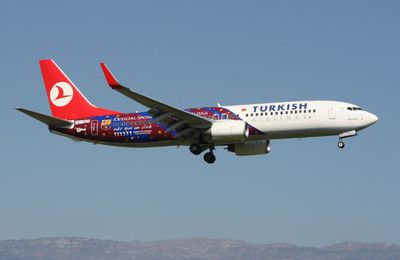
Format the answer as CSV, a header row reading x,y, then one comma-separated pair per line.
x,y
138,127
106,124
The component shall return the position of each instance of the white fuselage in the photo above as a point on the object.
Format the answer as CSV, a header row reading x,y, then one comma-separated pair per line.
x,y
317,118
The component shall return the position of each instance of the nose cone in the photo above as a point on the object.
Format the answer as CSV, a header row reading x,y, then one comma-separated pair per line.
x,y
371,119
374,118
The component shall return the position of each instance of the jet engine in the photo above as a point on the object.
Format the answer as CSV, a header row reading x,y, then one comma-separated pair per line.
x,y
250,148
230,130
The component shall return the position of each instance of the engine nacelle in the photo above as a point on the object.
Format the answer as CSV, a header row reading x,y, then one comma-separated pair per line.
x,y
230,130
250,148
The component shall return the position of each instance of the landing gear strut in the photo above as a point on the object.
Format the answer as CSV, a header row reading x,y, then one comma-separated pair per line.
x,y
209,157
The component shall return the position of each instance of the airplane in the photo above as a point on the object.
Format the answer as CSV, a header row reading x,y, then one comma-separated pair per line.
x,y
242,129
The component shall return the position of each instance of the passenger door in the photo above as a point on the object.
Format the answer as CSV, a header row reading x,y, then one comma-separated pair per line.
x,y
332,112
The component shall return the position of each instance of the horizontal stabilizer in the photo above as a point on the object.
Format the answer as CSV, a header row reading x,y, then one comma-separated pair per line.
x,y
48,120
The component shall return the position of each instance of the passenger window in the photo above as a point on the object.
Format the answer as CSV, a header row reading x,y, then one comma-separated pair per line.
x,y
281,113
305,111
291,112
251,114
261,114
247,115
256,114
309,111
299,111
286,112
295,111
314,111
276,113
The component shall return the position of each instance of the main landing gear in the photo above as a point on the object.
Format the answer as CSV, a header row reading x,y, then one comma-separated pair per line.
x,y
197,149
209,157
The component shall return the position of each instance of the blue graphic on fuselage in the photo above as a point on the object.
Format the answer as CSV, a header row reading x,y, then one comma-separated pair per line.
x,y
139,127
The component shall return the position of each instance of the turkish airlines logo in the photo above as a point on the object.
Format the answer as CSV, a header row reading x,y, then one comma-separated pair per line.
x,y
61,94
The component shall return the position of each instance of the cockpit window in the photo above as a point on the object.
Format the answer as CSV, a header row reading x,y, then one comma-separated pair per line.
x,y
354,108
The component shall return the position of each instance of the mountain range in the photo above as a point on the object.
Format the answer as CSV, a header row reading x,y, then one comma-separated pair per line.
x,y
76,248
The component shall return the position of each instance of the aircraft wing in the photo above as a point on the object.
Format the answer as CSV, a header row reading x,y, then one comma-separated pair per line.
x,y
160,110
48,120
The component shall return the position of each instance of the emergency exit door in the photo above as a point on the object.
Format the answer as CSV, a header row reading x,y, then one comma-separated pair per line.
x,y
94,127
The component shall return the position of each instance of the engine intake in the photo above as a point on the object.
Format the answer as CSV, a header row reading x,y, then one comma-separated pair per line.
x,y
250,148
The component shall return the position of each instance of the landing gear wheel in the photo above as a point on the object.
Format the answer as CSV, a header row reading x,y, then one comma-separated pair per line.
x,y
209,157
195,149
340,144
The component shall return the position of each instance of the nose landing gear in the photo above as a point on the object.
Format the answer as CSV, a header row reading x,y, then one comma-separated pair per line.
x,y
345,135
341,144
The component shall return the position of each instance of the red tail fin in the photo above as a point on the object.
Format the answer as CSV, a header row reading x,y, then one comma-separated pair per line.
x,y
65,99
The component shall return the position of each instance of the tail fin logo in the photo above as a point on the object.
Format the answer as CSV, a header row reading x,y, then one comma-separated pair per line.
x,y
61,94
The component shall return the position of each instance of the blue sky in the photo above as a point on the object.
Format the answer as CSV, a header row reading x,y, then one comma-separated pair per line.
x,y
198,53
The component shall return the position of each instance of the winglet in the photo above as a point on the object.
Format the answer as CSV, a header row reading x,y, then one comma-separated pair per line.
x,y
111,80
